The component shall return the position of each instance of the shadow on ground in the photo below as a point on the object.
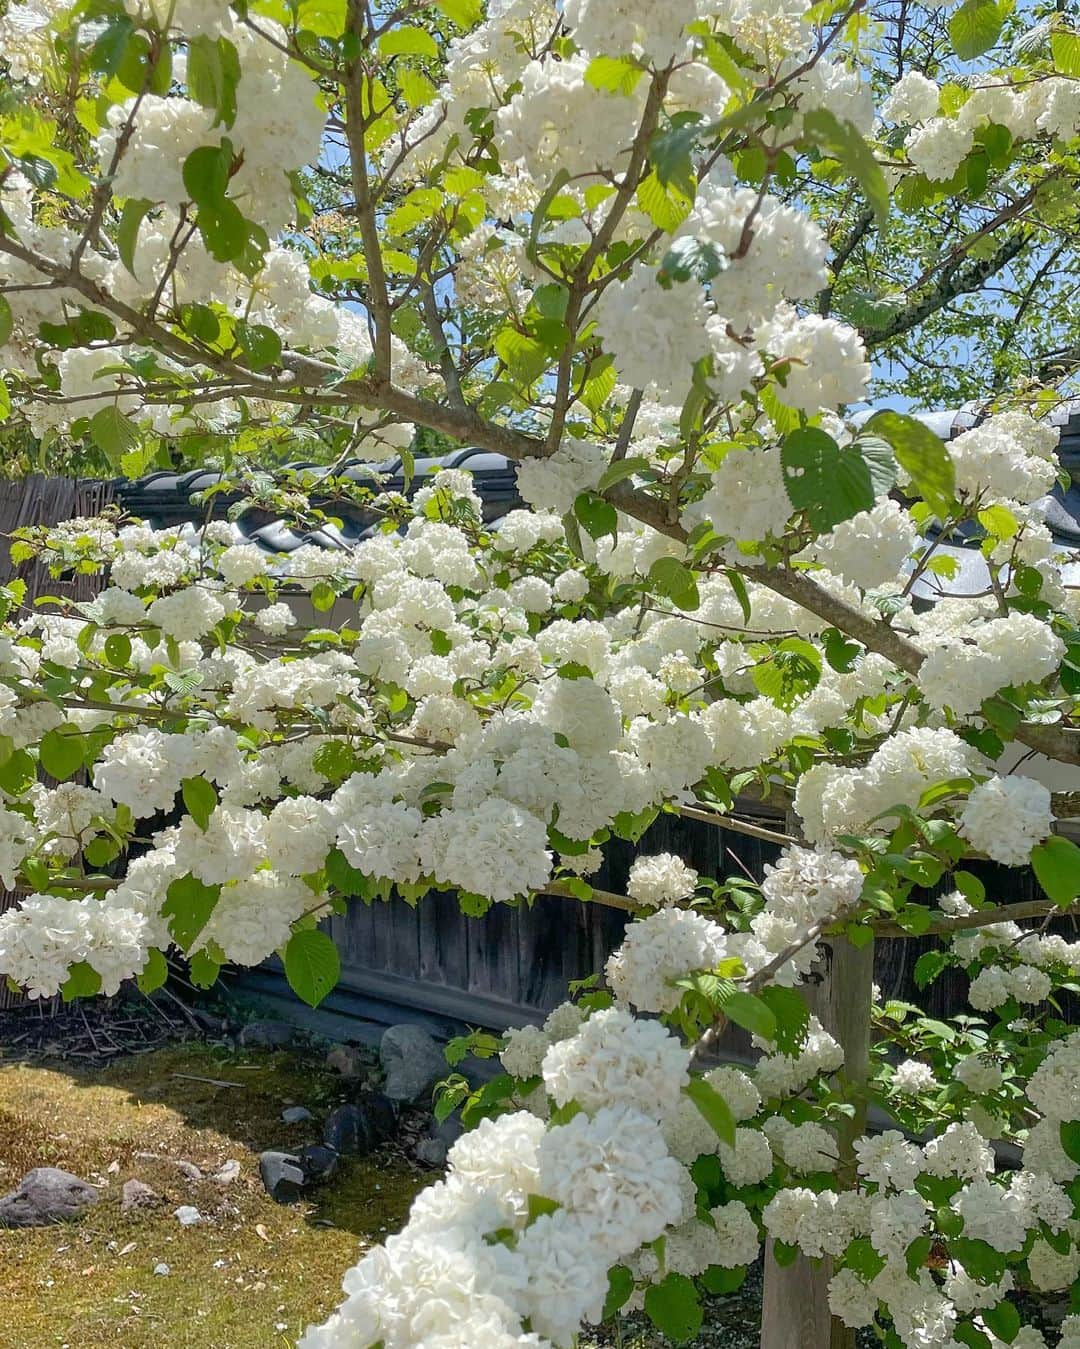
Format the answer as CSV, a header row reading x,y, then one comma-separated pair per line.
x,y
253,1274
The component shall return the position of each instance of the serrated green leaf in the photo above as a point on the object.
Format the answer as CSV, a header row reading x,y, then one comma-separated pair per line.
x,y
312,965
200,799
62,752
83,981
408,40
620,470
674,1308
188,906
114,433
975,27
713,1108
154,973
1056,864
843,141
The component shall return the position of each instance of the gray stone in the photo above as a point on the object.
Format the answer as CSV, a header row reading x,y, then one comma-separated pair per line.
x,y
412,1061
282,1175
358,1128
267,1034
348,1060
136,1194
295,1114
44,1196
430,1152
449,1130
317,1162
227,1172
162,1268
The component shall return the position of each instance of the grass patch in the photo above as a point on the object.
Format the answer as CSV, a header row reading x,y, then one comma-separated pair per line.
x,y
253,1275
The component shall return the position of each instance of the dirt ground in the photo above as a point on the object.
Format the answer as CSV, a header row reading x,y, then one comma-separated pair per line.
x,y
254,1273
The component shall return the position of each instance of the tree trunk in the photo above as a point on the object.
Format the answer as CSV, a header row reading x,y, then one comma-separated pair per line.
x,y
795,1308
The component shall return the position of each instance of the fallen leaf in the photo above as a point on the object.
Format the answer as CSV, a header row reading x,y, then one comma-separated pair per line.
x,y
260,1231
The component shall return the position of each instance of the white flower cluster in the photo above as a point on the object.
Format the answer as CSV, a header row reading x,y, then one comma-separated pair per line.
x,y
608,1171
963,672
833,800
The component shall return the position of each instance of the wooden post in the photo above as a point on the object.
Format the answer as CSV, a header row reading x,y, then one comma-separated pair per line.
x,y
795,1307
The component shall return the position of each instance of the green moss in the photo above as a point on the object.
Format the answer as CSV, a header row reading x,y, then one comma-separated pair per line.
x,y
253,1267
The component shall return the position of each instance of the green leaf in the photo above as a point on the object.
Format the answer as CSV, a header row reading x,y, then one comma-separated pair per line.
x,y
260,344
975,27
620,1286
664,203
599,517
204,969
792,1017
537,1205
154,973
312,965
1056,864
1003,1320
672,154
206,173
842,140
83,981
972,1336
408,40
7,321
829,483
524,357
200,799
613,74
188,906
721,1281
118,648
464,13
676,581
674,1308
113,433
1069,1131
922,455
621,469
690,259
713,1108
1065,49
928,966
62,752
539,215
751,1013
213,73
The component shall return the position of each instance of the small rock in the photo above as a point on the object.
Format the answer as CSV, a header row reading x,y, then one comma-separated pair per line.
x,y
412,1061
46,1195
135,1194
430,1152
282,1175
348,1060
186,1168
295,1114
187,1215
227,1172
267,1034
359,1128
317,1162
448,1130
162,1268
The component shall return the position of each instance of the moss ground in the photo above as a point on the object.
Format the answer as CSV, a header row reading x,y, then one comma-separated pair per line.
x,y
252,1275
